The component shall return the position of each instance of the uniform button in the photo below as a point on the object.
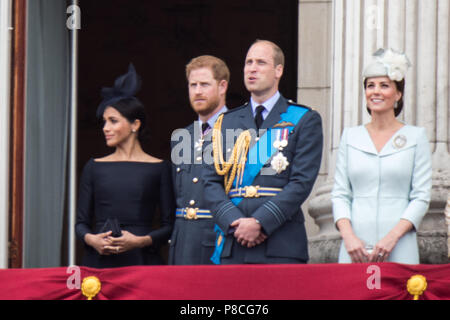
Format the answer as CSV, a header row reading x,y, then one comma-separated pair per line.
x,y
178,169
195,180
229,150
192,202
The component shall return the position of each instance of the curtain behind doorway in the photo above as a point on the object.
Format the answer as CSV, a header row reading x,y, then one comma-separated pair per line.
x,y
46,121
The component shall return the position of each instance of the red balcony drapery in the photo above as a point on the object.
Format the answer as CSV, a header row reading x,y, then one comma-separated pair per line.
x,y
238,282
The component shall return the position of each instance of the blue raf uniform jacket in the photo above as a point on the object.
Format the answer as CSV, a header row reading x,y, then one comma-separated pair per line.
x,y
280,216
192,240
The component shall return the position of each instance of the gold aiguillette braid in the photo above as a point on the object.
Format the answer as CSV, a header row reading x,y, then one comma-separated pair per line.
x,y
236,162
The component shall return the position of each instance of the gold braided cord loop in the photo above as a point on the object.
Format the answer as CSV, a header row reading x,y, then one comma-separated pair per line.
x,y
236,162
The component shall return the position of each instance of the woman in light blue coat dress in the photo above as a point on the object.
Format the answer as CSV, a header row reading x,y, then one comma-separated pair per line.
x,y
383,173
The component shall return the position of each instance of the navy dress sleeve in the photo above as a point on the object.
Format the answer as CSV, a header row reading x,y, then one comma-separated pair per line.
x,y
166,207
85,206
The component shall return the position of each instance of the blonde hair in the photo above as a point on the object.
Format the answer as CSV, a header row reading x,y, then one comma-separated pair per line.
x,y
217,66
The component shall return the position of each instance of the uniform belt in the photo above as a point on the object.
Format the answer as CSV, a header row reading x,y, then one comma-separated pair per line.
x,y
253,192
193,213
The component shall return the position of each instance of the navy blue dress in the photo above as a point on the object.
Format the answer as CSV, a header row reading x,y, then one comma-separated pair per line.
x,y
130,192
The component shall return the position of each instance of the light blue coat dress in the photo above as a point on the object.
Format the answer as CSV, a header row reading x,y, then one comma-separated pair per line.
x,y
375,190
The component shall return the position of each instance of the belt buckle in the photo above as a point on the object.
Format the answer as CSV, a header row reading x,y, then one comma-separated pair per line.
x,y
191,213
251,191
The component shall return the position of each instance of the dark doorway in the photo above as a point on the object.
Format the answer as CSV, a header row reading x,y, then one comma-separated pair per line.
x,y
160,37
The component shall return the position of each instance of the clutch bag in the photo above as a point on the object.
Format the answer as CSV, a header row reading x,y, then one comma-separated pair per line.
x,y
112,224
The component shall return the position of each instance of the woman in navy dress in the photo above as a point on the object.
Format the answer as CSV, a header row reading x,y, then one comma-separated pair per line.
x,y
119,193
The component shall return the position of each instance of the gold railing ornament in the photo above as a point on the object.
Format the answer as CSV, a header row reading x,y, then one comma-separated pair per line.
x,y
417,285
91,287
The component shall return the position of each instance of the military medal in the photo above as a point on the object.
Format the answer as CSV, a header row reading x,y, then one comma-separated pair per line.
x,y
277,144
199,144
279,163
282,139
399,141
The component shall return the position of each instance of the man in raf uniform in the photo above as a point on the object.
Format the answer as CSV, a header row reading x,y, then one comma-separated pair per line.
x,y
259,181
193,238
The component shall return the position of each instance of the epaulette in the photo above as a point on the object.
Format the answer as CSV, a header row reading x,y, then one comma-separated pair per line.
x,y
190,126
236,109
293,103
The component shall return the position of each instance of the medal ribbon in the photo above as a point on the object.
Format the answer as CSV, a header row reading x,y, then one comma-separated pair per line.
x,y
285,135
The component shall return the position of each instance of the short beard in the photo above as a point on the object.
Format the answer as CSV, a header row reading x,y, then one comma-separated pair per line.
x,y
210,107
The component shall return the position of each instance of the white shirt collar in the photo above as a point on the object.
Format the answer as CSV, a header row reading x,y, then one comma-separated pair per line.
x,y
213,119
268,104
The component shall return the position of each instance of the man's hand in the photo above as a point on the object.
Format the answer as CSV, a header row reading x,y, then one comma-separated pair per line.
x,y
248,232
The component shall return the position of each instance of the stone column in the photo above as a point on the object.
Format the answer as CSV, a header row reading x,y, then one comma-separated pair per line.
x,y
447,220
314,64
421,29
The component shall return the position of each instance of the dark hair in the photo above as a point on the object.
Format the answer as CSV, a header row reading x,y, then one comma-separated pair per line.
x,y
132,109
400,85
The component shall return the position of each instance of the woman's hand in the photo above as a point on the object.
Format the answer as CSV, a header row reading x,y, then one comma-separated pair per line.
x,y
99,242
127,242
384,247
356,249
354,246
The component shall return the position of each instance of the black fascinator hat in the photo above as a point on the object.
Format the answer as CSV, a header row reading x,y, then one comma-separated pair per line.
x,y
125,88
